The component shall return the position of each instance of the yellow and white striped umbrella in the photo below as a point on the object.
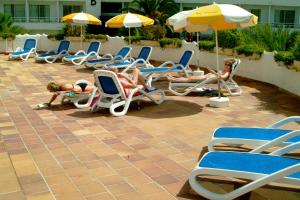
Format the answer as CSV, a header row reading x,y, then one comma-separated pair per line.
x,y
129,20
214,16
81,18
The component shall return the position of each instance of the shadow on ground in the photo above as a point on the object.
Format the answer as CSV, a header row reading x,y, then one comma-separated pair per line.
x,y
272,98
168,109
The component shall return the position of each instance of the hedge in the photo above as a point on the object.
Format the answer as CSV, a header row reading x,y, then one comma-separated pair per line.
x,y
249,50
286,57
207,45
176,42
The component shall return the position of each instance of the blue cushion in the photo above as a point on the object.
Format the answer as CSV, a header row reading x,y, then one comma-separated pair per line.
x,y
160,69
63,46
145,53
47,54
253,133
29,44
104,60
108,85
247,162
19,53
75,57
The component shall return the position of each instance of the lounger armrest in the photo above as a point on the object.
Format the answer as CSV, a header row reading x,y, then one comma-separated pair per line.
x,y
19,49
167,63
285,121
108,55
286,149
133,65
80,52
276,141
118,58
91,54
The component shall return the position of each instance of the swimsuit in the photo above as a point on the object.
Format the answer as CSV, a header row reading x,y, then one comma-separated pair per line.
x,y
82,86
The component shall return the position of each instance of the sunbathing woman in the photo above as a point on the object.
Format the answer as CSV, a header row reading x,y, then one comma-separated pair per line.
x,y
211,75
133,80
77,89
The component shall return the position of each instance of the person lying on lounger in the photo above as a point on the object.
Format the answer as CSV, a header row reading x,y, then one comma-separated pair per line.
x,y
211,75
57,88
132,80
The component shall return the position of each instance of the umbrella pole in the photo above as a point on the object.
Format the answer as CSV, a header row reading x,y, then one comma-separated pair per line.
x,y
217,52
129,42
81,36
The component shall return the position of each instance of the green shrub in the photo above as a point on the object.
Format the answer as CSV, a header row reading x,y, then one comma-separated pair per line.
x,y
286,57
56,36
176,42
228,39
95,37
134,39
207,45
296,49
249,50
72,30
7,35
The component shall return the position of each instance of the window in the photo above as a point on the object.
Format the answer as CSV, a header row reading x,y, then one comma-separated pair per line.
x,y
111,7
68,9
39,13
256,12
285,17
17,11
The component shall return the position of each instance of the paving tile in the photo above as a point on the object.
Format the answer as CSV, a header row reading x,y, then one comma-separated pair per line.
x,y
120,188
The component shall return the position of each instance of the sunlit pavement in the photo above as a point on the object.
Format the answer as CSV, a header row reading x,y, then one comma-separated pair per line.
x,y
68,153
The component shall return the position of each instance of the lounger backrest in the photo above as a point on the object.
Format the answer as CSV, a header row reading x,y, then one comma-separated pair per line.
x,y
145,53
94,46
108,83
123,53
63,46
29,44
234,67
186,57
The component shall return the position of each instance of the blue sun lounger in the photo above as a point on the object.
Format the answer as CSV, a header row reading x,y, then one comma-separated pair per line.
x,y
121,56
262,169
141,60
24,53
52,56
262,138
81,56
181,67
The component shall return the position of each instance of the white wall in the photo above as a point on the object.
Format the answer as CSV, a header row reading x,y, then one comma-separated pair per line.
x,y
265,69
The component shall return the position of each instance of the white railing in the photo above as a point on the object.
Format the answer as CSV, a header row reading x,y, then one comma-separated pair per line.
x,y
44,19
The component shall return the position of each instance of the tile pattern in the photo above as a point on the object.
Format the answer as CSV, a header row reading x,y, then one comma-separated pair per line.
x,y
66,153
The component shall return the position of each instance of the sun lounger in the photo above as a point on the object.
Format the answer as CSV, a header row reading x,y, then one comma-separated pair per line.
x,y
262,169
141,60
121,57
24,53
113,96
262,138
181,67
81,56
182,89
52,56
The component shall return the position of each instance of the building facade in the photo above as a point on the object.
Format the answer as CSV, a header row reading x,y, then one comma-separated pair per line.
x,y
44,16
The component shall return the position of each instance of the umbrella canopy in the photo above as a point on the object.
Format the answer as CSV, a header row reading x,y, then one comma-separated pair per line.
x,y
81,18
215,16
129,20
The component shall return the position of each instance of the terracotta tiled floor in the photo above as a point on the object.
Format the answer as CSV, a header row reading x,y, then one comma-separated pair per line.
x,y
67,153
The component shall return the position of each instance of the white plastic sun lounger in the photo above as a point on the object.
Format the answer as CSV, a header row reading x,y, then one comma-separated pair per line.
x,y
262,138
24,53
262,169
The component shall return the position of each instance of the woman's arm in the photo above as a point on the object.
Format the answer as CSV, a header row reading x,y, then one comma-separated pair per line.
x,y
54,96
129,82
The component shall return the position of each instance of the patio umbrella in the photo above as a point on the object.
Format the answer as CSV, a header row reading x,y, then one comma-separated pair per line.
x,y
129,20
216,17
81,18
